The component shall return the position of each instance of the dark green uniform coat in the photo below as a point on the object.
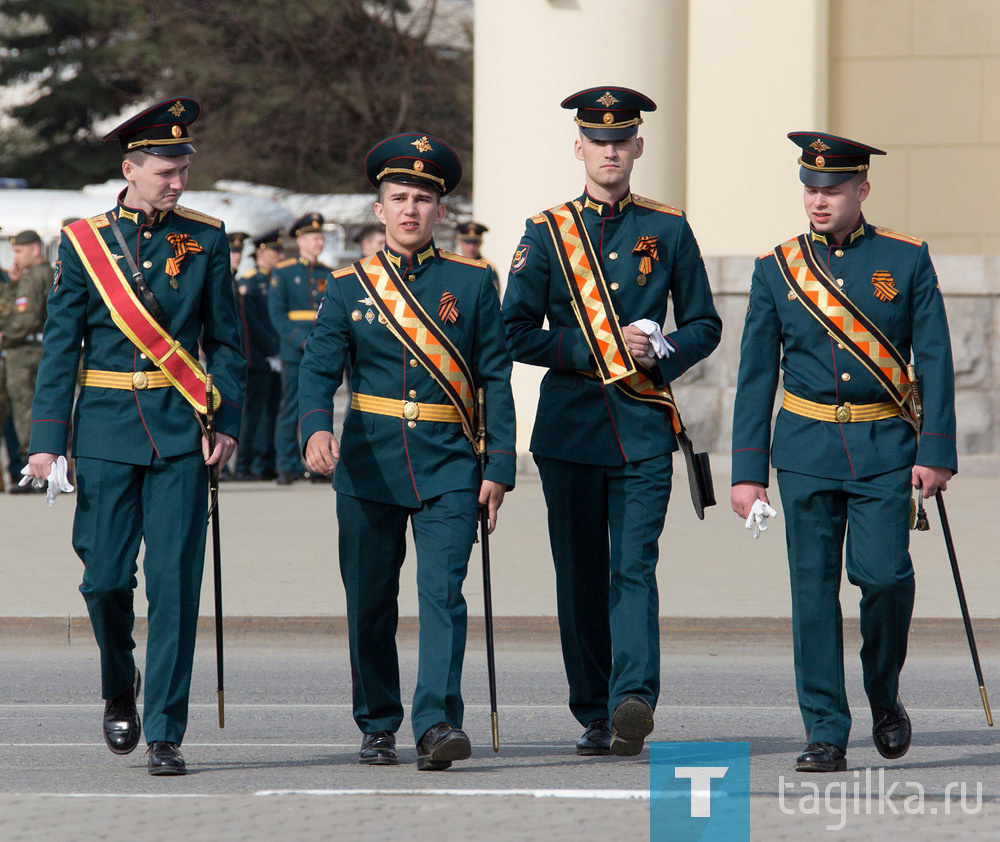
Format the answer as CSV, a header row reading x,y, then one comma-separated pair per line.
x,y
604,457
140,472
22,343
296,286
855,474
391,470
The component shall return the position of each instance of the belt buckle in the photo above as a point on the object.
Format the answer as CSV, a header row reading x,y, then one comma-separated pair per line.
x,y
411,410
844,413
139,380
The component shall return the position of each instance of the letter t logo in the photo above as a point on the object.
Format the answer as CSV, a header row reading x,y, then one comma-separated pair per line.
x,y
701,787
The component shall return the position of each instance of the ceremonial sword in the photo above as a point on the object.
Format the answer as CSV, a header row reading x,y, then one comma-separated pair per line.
x,y
484,529
922,525
213,511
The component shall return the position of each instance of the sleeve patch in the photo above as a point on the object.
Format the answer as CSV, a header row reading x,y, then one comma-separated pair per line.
x,y
520,258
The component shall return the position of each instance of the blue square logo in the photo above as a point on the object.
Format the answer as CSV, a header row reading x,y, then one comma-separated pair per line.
x,y
699,792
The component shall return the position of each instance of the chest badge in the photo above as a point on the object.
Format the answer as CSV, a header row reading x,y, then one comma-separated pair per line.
x,y
356,315
369,316
448,308
791,295
648,251
183,245
885,285
368,301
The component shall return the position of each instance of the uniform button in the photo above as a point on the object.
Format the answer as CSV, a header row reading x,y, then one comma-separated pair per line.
x,y
147,235
845,376
840,345
840,282
412,393
613,256
147,265
142,356
411,424
614,285
413,363
838,253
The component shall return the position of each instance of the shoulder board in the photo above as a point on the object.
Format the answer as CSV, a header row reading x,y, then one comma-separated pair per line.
x,y
288,261
342,273
197,216
643,202
246,276
895,235
766,255
539,218
101,220
457,258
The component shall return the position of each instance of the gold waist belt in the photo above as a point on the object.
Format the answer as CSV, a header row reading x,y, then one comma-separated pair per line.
x,y
410,410
302,315
131,380
840,414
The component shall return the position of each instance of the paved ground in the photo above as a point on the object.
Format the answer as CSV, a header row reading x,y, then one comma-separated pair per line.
x,y
285,763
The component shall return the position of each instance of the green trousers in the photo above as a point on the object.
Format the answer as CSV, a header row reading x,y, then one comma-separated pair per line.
x,y
286,433
372,549
162,505
604,529
22,367
874,513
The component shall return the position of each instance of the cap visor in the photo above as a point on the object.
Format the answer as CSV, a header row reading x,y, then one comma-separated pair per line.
x,y
813,178
172,149
610,134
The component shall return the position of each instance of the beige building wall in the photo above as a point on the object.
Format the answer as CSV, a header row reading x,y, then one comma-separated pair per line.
x,y
921,79
756,72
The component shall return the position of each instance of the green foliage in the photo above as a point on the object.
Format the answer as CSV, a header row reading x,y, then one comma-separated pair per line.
x,y
293,91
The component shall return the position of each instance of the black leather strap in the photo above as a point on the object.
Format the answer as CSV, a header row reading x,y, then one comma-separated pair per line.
x,y
145,293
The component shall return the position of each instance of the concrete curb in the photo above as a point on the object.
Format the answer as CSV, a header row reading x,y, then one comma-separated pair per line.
x,y
925,633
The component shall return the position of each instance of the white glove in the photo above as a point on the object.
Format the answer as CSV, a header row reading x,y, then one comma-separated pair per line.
x,y
275,363
759,513
660,347
58,480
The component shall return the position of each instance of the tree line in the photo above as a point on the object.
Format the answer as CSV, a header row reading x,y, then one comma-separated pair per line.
x,y
293,92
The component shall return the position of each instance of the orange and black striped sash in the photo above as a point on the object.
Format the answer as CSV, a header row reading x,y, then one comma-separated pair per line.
x,y
182,370
418,332
843,319
595,313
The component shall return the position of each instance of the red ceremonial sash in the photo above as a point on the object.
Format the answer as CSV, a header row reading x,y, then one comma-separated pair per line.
x,y
595,314
418,332
842,319
182,370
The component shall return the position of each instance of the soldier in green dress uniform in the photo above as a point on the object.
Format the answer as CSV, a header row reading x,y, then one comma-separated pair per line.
x,y
604,453
840,311
255,457
139,448
21,331
422,330
297,287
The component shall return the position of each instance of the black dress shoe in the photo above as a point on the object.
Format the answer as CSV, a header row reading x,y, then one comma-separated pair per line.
x,y
440,745
821,757
378,749
630,725
891,730
288,477
122,728
165,759
596,740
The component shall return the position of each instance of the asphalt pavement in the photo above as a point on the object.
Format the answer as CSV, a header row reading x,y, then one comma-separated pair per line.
x,y
286,762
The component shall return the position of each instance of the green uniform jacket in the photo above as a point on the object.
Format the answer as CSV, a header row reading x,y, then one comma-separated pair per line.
x,y
262,338
295,286
383,458
119,425
24,310
779,332
579,419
